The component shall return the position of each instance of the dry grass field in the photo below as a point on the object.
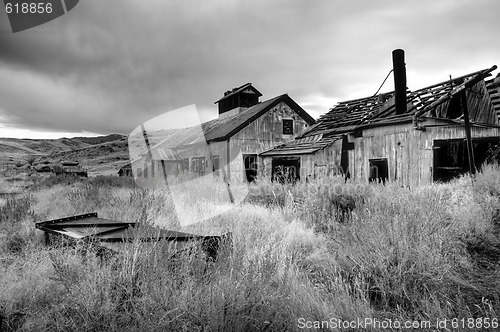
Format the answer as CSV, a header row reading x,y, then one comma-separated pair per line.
x,y
417,254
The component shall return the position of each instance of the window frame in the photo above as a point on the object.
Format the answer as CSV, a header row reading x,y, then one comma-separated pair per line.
x,y
290,126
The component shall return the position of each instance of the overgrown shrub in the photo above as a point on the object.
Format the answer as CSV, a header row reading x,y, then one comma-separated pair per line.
x,y
54,180
113,181
15,243
87,197
493,154
16,209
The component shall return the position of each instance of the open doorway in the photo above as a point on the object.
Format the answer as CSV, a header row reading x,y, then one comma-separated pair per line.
x,y
286,169
451,159
216,164
379,170
251,166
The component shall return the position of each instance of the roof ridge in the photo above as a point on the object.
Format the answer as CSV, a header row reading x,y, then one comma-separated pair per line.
x,y
249,108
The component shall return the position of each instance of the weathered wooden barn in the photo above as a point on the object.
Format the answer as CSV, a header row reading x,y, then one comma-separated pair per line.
x,y
244,128
411,137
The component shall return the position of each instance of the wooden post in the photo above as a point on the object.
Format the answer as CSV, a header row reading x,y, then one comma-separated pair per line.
x,y
146,140
470,152
150,154
344,157
224,177
228,177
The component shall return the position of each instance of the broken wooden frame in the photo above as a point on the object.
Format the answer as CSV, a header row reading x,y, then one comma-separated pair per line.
x,y
112,235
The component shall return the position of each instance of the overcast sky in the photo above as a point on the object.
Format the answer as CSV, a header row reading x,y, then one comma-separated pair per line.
x,y
108,66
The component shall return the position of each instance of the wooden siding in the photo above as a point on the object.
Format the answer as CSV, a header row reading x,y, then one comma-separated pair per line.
x,y
219,149
264,133
409,152
324,162
154,171
206,151
480,105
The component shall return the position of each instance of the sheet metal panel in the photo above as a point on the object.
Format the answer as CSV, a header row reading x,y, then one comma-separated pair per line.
x,y
114,235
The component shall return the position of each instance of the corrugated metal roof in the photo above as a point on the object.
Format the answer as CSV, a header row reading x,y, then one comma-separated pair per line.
x,y
306,145
223,129
82,232
160,153
381,108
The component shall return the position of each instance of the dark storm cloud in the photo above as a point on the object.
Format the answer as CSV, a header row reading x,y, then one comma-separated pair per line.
x,y
107,66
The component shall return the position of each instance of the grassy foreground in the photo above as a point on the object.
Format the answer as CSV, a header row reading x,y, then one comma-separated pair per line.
x,y
417,254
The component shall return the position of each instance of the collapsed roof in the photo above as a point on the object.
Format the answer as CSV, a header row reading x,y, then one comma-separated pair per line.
x,y
380,109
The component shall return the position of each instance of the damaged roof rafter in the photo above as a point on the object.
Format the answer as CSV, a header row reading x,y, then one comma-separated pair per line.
x,y
368,110
394,120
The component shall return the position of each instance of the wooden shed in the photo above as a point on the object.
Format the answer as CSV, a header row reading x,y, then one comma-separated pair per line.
x,y
420,141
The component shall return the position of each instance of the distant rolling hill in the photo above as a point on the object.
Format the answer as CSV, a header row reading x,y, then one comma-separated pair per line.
x,y
99,139
100,155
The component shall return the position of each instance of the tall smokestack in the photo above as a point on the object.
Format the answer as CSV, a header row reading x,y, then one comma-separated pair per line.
x,y
398,62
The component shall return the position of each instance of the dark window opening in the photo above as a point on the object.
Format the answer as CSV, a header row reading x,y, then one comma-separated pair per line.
x,y
198,165
379,170
240,100
286,170
287,127
451,159
251,166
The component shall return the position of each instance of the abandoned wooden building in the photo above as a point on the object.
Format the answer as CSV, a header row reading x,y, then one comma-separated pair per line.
x,y
71,168
125,170
244,126
410,137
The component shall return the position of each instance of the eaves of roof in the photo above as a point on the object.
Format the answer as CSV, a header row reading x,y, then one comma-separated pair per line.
x,y
307,145
400,120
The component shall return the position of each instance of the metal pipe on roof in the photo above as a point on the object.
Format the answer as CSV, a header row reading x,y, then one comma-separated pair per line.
x,y
398,62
